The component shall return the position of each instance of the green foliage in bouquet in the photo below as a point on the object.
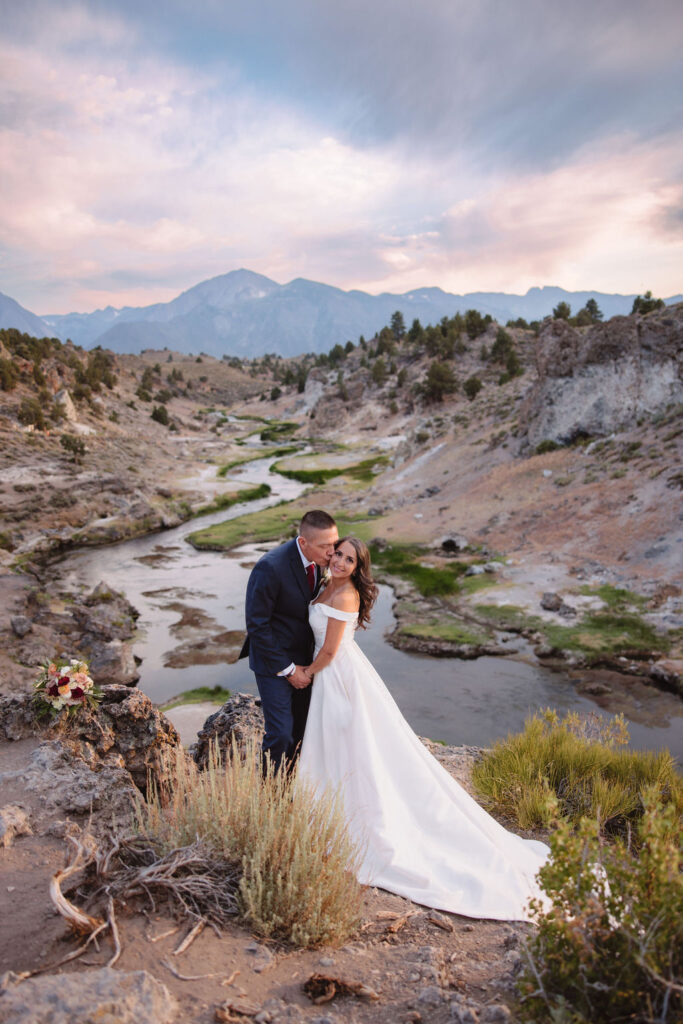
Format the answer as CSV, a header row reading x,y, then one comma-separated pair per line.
x,y
610,948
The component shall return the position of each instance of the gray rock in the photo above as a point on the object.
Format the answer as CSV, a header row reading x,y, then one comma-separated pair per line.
x,y
110,662
64,399
430,996
496,1013
464,1014
551,602
239,718
475,570
603,380
21,625
66,783
105,996
14,821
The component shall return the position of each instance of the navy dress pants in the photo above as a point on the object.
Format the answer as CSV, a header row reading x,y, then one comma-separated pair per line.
x,y
285,710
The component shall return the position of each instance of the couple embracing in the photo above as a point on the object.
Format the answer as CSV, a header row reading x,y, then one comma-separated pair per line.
x,y
422,834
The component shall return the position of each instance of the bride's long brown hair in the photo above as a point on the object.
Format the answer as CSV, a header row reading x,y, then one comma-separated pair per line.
x,y
361,577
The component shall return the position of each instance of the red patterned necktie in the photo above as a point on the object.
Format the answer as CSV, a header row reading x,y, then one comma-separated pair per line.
x,y
310,572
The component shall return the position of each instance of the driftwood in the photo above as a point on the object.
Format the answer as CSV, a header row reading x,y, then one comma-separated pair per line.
x,y
322,988
79,922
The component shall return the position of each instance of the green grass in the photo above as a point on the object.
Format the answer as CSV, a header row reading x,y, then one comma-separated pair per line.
x,y
563,765
406,561
599,634
278,430
363,471
617,599
233,498
212,694
508,616
444,629
279,522
607,633
265,453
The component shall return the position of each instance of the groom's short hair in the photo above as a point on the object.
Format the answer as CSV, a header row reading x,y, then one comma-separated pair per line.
x,y
316,519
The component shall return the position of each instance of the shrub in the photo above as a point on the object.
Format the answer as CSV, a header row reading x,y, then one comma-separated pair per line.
x,y
74,445
160,415
576,760
646,303
610,948
440,381
297,859
546,446
472,387
31,413
275,393
8,375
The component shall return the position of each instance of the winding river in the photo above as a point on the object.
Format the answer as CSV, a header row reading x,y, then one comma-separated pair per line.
x,y
450,700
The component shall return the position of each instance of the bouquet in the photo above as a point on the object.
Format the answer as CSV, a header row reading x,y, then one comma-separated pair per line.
x,y
65,683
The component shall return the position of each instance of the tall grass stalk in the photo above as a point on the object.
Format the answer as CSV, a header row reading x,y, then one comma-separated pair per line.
x,y
586,773
298,861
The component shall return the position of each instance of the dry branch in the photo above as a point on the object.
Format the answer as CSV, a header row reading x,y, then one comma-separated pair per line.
x,y
80,922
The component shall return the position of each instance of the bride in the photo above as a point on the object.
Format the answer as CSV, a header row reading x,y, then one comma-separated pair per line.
x,y
423,836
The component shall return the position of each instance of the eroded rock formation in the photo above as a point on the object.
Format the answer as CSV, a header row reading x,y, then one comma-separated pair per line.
x,y
594,383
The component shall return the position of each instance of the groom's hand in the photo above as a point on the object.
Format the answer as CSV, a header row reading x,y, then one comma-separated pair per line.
x,y
299,678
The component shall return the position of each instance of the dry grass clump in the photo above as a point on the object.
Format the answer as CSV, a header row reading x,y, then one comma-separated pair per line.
x,y
572,765
298,863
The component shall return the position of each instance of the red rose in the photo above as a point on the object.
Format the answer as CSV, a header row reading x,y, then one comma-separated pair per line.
x,y
77,693
52,690
64,680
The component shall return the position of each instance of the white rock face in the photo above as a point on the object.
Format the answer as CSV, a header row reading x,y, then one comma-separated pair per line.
x,y
64,399
105,996
604,380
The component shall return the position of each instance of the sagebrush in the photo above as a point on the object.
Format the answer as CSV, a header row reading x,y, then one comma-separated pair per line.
x,y
575,761
297,859
610,948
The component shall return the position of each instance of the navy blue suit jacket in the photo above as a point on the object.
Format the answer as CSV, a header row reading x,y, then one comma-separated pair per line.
x,y
277,602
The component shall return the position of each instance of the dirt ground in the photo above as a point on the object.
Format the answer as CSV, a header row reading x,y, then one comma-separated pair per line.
x,y
415,962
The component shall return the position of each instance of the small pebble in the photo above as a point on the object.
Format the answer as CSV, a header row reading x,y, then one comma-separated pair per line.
x,y
326,961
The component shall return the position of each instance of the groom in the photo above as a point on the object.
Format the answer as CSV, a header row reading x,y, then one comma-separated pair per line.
x,y
279,639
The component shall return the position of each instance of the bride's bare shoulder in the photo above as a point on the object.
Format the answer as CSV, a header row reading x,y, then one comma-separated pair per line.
x,y
346,600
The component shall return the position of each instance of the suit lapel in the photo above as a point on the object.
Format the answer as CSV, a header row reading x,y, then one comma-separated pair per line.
x,y
299,572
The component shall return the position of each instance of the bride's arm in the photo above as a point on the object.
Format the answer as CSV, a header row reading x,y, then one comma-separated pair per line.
x,y
333,634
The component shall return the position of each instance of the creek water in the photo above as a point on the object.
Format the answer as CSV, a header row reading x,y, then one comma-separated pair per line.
x,y
447,699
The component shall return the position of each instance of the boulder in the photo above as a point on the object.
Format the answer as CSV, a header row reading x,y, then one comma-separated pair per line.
x,y
105,995
14,821
64,399
240,718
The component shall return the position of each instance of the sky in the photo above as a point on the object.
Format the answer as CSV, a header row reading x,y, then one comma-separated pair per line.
x,y
474,145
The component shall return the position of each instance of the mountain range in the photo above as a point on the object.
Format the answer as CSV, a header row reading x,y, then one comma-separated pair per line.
x,y
246,314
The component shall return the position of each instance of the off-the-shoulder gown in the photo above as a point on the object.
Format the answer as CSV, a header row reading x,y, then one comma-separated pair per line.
x,y
425,837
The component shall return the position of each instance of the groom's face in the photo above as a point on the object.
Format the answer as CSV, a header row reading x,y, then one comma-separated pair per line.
x,y
318,545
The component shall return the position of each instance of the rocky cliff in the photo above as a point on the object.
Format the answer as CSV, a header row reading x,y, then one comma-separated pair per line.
x,y
592,383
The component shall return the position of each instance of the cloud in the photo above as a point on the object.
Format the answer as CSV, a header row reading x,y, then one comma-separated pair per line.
x,y
387,146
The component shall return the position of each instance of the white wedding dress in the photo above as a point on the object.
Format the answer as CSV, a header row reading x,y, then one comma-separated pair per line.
x,y
424,837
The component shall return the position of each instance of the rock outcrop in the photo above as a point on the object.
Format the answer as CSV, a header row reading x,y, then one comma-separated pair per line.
x,y
106,995
603,380
125,732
